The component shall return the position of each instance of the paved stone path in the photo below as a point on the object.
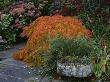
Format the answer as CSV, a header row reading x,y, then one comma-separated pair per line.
x,y
16,71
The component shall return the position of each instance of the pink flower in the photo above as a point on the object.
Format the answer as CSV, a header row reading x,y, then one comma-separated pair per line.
x,y
17,11
17,20
30,13
18,25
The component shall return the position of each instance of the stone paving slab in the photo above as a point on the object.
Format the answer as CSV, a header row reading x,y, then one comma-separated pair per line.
x,y
6,78
39,79
12,70
11,61
8,53
15,71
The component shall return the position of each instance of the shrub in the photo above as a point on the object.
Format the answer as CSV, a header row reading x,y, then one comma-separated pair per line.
x,y
23,13
42,30
98,9
44,6
66,7
100,29
61,7
4,3
20,14
76,50
6,30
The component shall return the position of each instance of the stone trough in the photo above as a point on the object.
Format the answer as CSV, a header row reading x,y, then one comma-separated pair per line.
x,y
74,70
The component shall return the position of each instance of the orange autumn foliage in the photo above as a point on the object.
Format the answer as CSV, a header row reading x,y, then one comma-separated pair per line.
x,y
43,29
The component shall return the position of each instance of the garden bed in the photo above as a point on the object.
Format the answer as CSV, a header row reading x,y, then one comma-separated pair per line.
x,y
58,30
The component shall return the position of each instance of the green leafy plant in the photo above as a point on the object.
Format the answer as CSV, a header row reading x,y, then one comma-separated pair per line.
x,y
96,18
98,24
4,3
44,6
100,30
6,30
80,50
99,67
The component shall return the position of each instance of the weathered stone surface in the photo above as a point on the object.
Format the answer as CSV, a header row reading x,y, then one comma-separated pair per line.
x,y
39,79
6,78
15,71
8,53
11,61
74,70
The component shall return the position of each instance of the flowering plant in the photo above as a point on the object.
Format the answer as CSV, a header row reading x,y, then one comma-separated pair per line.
x,y
23,13
20,14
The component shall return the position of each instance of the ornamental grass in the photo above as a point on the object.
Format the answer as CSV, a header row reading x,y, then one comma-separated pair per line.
x,y
43,30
